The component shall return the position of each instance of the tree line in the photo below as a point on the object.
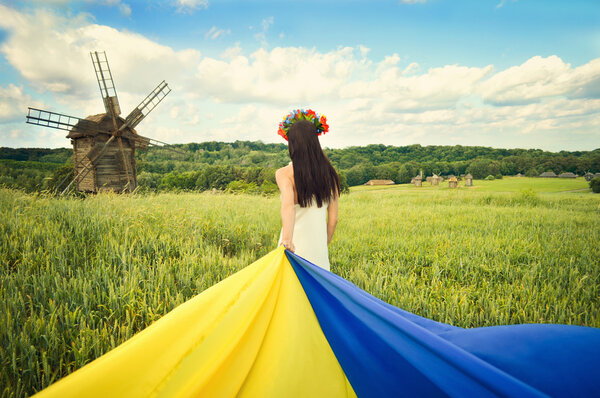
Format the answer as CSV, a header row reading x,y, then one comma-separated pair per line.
x,y
249,166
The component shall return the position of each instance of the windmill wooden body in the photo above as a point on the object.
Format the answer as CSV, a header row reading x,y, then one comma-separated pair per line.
x,y
104,144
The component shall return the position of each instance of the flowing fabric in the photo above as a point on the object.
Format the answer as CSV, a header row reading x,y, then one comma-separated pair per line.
x,y
285,327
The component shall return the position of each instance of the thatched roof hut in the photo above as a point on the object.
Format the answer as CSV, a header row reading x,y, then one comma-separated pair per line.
x,y
567,175
548,174
435,179
469,180
418,181
453,182
380,182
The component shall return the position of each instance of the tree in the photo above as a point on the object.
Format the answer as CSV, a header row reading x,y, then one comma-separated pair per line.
x,y
355,176
595,184
404,175
480,168
344,188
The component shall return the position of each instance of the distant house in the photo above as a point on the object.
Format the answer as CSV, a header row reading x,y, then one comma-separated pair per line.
x,y
548,174
519,175
380,182
453,182
417,181
567,175
434,180
469,180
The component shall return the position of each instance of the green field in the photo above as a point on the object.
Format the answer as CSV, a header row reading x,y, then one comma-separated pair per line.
x,y
79,277
506,184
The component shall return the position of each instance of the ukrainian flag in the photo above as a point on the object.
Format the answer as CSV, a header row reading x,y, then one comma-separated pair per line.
x,y
283,327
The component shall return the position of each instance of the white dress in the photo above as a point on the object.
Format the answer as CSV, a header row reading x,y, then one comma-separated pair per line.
x,y
310,234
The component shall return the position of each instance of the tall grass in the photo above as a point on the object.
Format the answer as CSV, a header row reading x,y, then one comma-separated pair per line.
x,y
79,277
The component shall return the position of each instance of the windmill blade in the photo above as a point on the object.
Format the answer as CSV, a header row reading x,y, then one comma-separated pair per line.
x,y
59,121
145,141
147,105
140,141
126,165
106,84
164,145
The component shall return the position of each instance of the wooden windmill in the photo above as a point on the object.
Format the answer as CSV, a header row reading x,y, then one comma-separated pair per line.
x,y
104,144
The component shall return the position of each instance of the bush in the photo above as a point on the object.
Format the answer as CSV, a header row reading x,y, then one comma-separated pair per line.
x,y
532,172
490,178
595,184
269,188
242,187
498,176
61,178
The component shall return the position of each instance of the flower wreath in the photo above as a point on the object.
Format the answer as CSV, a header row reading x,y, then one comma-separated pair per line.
x,y
300,114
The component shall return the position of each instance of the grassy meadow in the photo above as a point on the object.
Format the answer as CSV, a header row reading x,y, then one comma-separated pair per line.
x,y
79,277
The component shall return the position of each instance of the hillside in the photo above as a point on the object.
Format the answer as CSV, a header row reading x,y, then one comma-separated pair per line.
x,y
210,165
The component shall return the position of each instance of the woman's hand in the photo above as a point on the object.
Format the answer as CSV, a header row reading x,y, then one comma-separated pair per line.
x,y
289,245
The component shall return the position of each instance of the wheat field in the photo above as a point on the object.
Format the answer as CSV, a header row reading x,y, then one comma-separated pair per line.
x,y
80,276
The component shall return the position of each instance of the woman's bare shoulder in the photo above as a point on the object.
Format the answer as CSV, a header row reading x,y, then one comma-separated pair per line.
x,y
285,172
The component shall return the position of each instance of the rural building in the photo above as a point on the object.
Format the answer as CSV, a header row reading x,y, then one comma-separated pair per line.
x,y
380,182
435,179
548,174
519,175
453,182
469,180
567,175
418,181
588,176
116,168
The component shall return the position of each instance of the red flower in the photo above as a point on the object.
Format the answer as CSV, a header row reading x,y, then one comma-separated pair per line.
x,y
281,132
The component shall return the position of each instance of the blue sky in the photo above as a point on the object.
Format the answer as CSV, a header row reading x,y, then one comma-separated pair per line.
x,y
502,73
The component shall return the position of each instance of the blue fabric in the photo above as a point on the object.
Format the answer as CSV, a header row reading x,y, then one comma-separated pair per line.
x,y
385,351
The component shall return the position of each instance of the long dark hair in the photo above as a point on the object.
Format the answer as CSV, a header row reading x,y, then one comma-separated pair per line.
x,y
314,176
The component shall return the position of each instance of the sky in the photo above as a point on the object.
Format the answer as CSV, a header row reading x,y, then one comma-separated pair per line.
x,y
498,73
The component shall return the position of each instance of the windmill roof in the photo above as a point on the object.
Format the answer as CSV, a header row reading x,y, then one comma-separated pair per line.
x,y
100,124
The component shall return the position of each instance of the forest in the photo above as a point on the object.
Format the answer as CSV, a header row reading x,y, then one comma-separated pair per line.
x,y
247,166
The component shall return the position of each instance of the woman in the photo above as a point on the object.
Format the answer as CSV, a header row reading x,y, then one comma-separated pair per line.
x,y
310,189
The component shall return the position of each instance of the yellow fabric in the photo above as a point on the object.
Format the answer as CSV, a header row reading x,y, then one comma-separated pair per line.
x,y
253,334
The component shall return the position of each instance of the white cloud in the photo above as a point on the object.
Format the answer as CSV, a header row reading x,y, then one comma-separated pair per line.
x,y
539,78
215,33
125,9
14,103
262,35
52,53
189,6
281,75
240,95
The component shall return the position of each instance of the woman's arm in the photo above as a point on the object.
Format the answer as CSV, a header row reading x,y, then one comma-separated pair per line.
x,y
332,218
288,209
